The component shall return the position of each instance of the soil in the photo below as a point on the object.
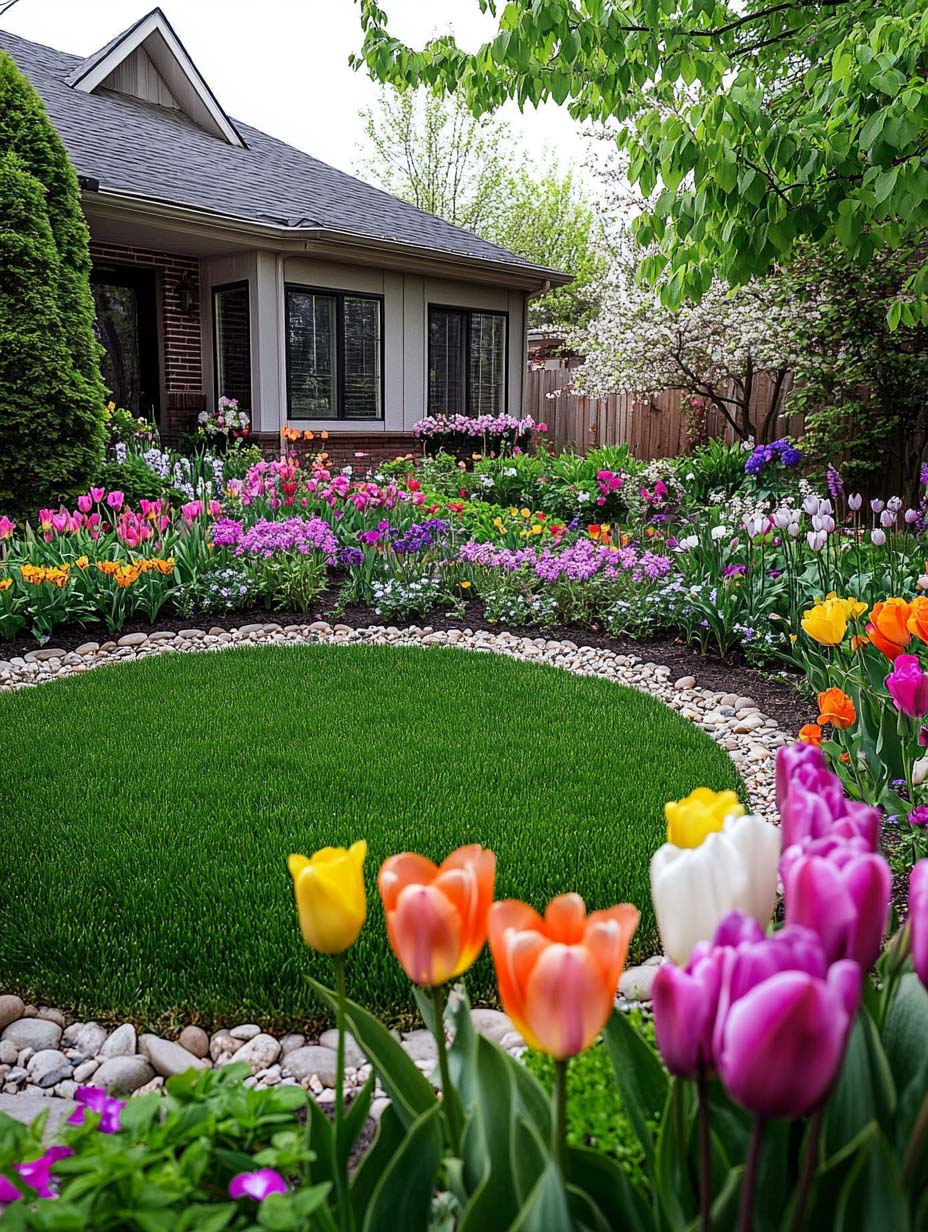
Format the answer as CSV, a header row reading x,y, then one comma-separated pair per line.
x,y
778,696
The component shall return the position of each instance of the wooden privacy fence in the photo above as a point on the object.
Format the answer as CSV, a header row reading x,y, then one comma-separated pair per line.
x,y
652,425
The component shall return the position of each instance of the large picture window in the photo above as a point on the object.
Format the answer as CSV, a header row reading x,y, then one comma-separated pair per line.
x,y
467,361
232,336
334,354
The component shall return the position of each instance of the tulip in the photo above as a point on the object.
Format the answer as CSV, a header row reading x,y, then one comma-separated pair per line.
x,y
330,898
699,814
810,733
115,500
781,1043
693,889
908,686
97,494
826,623
684,1001
888,627
558,975
854,501
876,505
910,516
257,1185
816,540
917,623
918,918
837,709
887,519
437,916
812,803
878,537
841,890
894,504
85,503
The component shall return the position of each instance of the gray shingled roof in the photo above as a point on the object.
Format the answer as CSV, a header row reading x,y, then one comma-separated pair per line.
x,y
136,147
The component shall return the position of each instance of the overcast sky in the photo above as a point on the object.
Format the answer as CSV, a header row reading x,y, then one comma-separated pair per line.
x,y
282,65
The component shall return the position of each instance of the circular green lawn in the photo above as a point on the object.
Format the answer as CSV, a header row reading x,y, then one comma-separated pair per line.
x,y
150,809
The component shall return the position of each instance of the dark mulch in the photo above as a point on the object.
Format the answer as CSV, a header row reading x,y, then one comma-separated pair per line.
x,y
778,696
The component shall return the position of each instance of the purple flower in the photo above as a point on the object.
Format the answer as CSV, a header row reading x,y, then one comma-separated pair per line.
x,y
735,570
95,1099
302,535
351,557
257,1185
812,803
908,686
227,533
918,918
36,1174
919,816
835,484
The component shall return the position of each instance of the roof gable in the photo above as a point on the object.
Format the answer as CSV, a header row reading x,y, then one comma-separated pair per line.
x,y
150,62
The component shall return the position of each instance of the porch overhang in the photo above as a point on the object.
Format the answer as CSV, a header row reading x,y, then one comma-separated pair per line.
x,y
142,219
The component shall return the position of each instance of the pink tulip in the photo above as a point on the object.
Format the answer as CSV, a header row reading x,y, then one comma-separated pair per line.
x,y
840,889
45,519
61,521
257,1185
782,1042
918,918
685,1002
215,508
6,528
85,503
115,500
812,803
908,686
191,511
97,494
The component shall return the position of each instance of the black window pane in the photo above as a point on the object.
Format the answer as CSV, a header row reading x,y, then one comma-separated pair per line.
x,y
232,326
362,364
311,368
117,328
447,362
487,363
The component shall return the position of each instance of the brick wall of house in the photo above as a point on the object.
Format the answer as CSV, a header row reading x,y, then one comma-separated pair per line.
x,y
180,331
344,448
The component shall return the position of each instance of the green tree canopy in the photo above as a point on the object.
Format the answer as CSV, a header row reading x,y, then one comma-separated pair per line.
x,y
755,123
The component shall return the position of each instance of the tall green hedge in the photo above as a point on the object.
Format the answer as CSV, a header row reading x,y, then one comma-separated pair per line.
x,y
51,392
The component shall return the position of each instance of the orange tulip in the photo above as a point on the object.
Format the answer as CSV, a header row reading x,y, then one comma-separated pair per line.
x,y
888,627
437,916
918,618
558,976
837,709
810,734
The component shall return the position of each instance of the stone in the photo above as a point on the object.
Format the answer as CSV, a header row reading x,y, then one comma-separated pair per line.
x,y
222,1044
353,1053
314,1059
44,1062
259,1052
744,703
190,635
378,1108
25,1055
8,1052
421,1046
494,1024
26,1108
320,626
195,1040
290,1043
246,1031
16,1074
50,1080
11,1008
167,1058
122,1043
148,1088
42,656
245,630
86,1070
121,1075
685,682
162,636
35,1033
87,1037
133,639
87,648
66,1088
636,982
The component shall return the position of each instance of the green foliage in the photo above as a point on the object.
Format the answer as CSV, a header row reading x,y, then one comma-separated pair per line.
x,y
51,393
183,782
750,126
132,477
714,467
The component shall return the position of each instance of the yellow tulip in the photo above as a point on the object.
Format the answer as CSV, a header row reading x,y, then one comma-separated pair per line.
x,y
701,813
330,898
826,623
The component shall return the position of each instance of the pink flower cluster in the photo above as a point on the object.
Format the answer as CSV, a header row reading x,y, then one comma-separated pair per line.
x,y
476,425
131,528
576,563
286,484
303,535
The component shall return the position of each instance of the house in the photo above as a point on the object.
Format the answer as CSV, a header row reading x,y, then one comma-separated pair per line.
x,y
226,262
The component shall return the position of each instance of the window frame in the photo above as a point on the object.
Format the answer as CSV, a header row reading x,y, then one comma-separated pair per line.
x,y
339,296
215,291
468,313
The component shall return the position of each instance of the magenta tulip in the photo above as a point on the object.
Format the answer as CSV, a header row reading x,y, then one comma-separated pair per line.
x,y
85,503
840,889
115,500
257,1185
799,762
783,1041
95,1099
684,1003
36,1174
918,918
812,803
908,686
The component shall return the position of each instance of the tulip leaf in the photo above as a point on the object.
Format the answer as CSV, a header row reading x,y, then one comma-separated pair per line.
x,y
488,1170
865,1090
872,1195
906,1029
389,1138
672,1177
462,1054
532,1098
403,1193
641,1078
617,1204
545,1209
354,1120
409,1089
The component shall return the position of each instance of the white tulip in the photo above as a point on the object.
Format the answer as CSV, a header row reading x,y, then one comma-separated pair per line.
x,y
816,540
920,771
854,501
694,888
877,537
691,541
719,532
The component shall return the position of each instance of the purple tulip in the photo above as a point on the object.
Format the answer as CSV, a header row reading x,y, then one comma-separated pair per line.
x,y
840,889
36,1174
908,686
685,1001
812,803
115,500
95,1099
878,537
803,761
257,1185
918,918
782,1042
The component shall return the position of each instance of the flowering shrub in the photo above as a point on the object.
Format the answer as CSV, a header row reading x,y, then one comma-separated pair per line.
x,y
494,431
226,421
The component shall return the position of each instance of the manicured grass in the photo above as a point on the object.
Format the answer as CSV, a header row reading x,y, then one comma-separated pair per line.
x,y
150,808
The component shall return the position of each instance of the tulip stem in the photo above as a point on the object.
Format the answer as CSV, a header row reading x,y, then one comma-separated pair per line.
x,y
559,1135
810,1163
916,1142
341,1168
448,1102
705,1156
751,1170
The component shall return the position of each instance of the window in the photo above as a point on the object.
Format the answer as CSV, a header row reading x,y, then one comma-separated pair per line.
x,y
232,336
467,362
334,355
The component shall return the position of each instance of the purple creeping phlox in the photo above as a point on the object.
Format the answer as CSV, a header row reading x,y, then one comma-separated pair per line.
x,y
303,535
576,563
